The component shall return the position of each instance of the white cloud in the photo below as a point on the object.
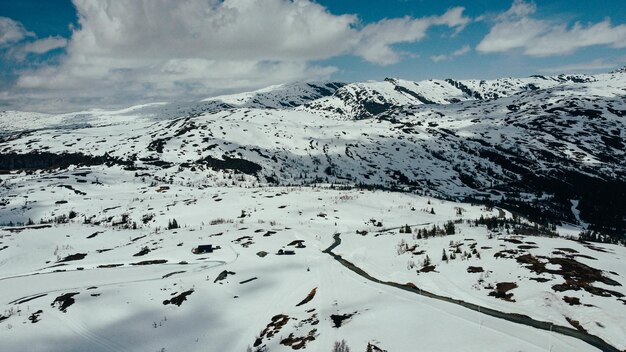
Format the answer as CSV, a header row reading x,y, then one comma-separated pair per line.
x,y
376,40
12,31
40,46
516,29
128,50
581,67
459,52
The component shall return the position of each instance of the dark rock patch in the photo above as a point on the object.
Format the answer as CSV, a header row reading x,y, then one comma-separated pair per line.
x,y
72,257
151,262
173,273
35,317
502,291
475,269
308,298
223,275
299,342
277,323
338,319
64,301
178,299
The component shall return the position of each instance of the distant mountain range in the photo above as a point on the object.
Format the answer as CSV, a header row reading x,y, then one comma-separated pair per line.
x,y
550,147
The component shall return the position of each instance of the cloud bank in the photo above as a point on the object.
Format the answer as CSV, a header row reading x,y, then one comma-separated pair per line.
x,y
516,29
12,31
128,50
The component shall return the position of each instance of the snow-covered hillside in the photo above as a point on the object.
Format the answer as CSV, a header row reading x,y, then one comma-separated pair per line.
x,y
373,212
513,150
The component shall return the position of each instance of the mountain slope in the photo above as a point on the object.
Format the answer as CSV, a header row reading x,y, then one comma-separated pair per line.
x,y
439,196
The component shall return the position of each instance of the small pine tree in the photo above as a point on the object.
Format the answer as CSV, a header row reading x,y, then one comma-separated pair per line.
x,y
172,224
426,261
444,257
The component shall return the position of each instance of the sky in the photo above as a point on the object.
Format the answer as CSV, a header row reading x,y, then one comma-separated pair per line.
x,y
69,55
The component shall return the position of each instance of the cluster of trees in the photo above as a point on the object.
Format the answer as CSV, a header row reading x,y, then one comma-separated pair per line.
x,y
464,254
595,236
172,224
515,224
447,230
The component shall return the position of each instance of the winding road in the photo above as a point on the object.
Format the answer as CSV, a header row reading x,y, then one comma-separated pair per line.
x,y
592,340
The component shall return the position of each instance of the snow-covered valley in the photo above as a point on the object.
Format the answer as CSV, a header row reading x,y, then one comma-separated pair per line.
x,y
475,191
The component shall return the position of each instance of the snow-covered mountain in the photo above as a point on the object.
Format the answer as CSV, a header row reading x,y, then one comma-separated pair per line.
x,y
274,97
498,141
327,211
366,100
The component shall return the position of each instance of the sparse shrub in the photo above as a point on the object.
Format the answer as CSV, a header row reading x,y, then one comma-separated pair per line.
x,y
401,247
340,346
219,221
146,218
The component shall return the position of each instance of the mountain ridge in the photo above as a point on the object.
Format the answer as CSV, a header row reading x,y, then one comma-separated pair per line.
x,y
507,141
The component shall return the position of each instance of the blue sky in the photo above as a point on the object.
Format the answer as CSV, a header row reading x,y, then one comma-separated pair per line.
x,y
60,55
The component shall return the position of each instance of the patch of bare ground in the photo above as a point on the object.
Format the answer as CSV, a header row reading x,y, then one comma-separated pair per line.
x,y
20,229
151,262
72,257
244,241
35,317
275,325
64,301
577,275
506,253
172,273
595,248
540,279
338,319
223,275
427,269
475,269
104,266
297,243
308,298
572,301
94,234
576,324
178,299
312,320
373,348
584,256
502,291
299,342
143,251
